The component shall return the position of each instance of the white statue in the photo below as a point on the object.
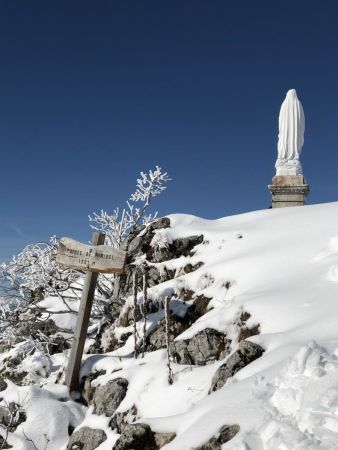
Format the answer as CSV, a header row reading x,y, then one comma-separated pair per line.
x,y
291,135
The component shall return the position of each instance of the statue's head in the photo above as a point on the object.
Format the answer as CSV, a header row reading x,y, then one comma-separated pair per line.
x,y
292,93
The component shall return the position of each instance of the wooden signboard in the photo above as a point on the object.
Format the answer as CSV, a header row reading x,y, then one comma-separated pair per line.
x,y
93,258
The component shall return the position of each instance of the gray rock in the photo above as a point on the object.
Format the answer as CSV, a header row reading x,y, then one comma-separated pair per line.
x,y
178,323
184,246
5,416
136,436
247,352
58,344
4,444
157,339
162,439
191,268
108,397
87,389
138,243
205,347
3,385
123,286
11,371
199,307
120,419
225,434
179,247
86,439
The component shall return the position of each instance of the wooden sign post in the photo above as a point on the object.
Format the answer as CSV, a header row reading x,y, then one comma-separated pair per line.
x,y
93,258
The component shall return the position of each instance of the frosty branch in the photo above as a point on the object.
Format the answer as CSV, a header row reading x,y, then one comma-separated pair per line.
x,y
120,223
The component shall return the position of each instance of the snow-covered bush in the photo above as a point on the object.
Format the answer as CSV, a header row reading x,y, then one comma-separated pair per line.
x,y
121,222
25,281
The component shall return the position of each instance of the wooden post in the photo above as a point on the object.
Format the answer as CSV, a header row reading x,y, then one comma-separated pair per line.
x,y
80,334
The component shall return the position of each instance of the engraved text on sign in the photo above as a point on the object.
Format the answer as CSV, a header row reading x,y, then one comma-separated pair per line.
x,y
99,258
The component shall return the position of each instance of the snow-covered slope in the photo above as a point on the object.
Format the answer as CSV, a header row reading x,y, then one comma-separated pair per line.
x,y
281,267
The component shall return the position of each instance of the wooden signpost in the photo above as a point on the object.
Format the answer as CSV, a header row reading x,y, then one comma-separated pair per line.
x,y
93,259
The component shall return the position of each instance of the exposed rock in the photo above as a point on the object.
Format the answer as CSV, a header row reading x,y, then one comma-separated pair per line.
x,y
58,344
12,416
184,246
191,268
138,243
4,347
11,371
225,434
86,439
178,323
136,436
127,316
4,444
110,314
185,294
114,308
108,397
200,306
86,385
175,249
247,352
119,420
205,347
246,331
157,339
109,342
31,328
3,385
162,439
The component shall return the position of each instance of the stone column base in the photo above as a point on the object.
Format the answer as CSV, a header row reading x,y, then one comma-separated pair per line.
x,y
288,190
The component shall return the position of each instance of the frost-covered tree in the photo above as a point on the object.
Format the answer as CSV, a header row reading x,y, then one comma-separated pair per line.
x,y
26,280
121,222
34,271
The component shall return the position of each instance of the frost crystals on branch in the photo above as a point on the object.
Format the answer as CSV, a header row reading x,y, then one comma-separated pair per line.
x,y
120,223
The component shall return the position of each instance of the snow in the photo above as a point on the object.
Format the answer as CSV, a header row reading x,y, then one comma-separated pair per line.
x,y
281,266
47,417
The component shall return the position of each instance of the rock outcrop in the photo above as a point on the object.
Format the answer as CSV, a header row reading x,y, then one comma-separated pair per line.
x,y
107,398
136,436
205,347
86,439
247,352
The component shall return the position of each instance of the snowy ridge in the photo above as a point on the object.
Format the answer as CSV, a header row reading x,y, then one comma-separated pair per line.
x,y
280,266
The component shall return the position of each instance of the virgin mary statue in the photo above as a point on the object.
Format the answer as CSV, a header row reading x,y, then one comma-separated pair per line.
x,y
291,135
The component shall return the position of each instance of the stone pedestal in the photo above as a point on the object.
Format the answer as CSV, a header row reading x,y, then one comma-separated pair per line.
x,y
288,190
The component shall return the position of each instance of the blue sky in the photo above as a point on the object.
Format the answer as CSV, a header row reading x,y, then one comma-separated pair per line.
x,y
93,92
